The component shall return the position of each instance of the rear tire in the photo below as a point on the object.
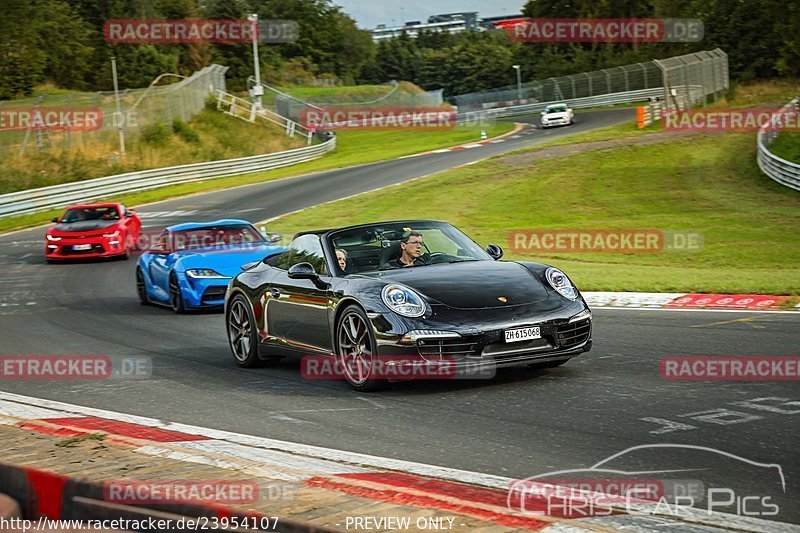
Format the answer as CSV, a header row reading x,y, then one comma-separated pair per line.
x,y
242,337
356,350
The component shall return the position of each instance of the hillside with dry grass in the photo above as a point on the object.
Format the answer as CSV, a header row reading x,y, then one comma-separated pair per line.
x,y
211,135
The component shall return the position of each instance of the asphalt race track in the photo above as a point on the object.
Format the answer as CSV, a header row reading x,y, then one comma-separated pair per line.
x,y
522,423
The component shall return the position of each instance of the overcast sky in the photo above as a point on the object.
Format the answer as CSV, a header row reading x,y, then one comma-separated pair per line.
x,y
370,13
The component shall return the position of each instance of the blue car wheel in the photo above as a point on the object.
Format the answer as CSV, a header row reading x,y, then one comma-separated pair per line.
x,y
141,288
175,294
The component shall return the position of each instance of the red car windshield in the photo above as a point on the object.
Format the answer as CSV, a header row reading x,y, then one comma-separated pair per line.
x,y
82,214
212,237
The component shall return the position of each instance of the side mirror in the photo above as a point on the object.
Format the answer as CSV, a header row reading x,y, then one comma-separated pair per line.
x,y
128,214
303,271
494,251
250,265
54,219
272,238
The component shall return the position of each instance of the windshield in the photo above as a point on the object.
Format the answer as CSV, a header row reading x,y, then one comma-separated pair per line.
x,y
216,237
83,214
403,244
556,109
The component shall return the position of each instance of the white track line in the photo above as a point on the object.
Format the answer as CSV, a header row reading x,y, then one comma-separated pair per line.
x,y
234,441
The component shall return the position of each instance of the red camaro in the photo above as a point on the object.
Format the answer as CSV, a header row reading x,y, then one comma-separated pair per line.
x,y
92,230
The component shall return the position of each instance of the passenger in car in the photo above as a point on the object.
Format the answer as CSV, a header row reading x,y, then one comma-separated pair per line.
x,y
341,258
411,251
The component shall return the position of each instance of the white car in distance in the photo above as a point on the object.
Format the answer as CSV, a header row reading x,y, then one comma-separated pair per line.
x,y
557,115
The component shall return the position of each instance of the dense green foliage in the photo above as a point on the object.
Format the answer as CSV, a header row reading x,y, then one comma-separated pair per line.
x,y
61,41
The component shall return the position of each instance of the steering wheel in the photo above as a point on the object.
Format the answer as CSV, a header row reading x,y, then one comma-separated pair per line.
x,y
437,257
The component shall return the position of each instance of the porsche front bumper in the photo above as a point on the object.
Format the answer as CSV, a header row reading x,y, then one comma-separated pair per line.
x,y
469,345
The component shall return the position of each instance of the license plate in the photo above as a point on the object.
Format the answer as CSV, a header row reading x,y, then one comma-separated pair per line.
x,y
81,246
523,334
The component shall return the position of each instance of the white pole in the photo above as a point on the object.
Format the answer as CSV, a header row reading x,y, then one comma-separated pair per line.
x,y
257,89
119,109
519,82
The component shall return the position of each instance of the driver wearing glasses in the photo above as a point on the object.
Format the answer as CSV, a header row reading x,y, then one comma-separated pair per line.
x,y
411,246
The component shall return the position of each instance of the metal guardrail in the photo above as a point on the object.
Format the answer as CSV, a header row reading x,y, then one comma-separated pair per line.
x,y
783,171
55,196
628,97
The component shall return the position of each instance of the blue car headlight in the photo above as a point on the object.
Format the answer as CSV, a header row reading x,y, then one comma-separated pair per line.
x,y
205,273
403,301
561,283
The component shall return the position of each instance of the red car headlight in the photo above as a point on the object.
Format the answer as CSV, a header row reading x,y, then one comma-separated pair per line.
x,y
111,235
53,238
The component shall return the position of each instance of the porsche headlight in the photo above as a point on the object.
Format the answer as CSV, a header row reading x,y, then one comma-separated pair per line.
x,y
561,283
403,301
204,273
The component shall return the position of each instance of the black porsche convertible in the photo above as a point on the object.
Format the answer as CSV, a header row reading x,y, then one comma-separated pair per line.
x,y
416,293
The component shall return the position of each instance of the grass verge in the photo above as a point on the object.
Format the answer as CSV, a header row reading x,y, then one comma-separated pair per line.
x,y
787,146
354,147
708,184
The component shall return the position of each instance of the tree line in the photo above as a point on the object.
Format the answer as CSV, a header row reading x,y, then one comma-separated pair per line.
x,y
61,42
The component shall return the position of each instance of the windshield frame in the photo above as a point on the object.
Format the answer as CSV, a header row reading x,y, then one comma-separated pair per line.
x,y
448,230
93,210
174,235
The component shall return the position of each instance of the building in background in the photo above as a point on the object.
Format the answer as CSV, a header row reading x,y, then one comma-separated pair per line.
x,y
447,22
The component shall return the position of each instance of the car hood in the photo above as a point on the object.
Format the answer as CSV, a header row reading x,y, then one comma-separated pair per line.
x,y
85,226
556,115
471,284
227,261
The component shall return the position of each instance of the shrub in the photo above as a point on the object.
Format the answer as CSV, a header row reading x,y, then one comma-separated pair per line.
x,y
155,133
184,131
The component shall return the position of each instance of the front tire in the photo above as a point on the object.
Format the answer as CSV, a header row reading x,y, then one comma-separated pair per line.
x,y
242,336
356,350
175,295
128,245
141,288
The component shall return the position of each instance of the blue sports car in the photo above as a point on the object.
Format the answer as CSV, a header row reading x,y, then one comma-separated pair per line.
x,y
188,266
